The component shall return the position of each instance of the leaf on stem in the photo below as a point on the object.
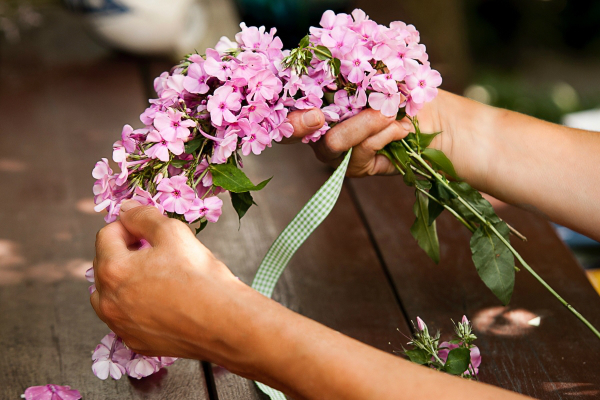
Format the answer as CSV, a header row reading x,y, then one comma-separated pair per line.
x,y
241,202
231,178
304,42
335,66
439,162
494,261
475,198
202,226
458,361
434,209
425,139
418,356
321,56
422,231
193,145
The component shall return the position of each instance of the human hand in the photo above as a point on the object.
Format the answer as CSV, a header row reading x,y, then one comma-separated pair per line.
x,y
458,119
172,298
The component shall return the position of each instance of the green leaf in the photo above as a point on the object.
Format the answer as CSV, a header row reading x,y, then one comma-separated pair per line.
x,y
231,178
323,57
425,234
202,226
399,152
304,42
426,138
494,261
193,145
440,192
474,198
440,162
401,114
458,361
409,177
423,184
418,356
241,202
434,209
179,163
335,65
411,138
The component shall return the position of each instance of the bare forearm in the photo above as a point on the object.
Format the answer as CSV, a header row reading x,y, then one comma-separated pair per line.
x,y
310,361
522,160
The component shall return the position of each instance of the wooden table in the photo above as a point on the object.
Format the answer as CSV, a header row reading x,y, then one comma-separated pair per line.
x,y
63,101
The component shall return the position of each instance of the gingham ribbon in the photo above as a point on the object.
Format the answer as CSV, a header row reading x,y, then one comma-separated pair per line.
x,y
292,237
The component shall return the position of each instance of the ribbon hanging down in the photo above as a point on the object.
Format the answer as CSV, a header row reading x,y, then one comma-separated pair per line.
x,y
292,237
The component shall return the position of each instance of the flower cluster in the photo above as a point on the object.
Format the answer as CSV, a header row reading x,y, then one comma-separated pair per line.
x,y
112,357
458,356
234,100
51,392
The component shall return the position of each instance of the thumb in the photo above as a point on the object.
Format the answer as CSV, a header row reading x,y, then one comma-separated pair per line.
x,y
145,222
304,122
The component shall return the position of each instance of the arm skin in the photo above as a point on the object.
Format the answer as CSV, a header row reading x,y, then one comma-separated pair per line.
x,y
175,298
543,167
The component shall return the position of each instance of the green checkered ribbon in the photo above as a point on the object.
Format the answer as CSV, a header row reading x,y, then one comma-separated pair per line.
x,y
292,237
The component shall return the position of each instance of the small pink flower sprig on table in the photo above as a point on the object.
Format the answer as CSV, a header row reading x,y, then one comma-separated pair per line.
x,y
234,101
459,356
51,392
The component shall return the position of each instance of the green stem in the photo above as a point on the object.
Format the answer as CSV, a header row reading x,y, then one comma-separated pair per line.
x,y
316,50
484,221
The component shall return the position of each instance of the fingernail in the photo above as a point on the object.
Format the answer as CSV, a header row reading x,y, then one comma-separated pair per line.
x,y
311,119
406,125
128,205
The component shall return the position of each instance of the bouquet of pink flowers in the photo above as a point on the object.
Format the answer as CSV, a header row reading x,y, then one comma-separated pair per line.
x,y
234,100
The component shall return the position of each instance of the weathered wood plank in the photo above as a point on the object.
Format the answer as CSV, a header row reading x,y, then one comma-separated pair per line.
x,y
57,119
555,360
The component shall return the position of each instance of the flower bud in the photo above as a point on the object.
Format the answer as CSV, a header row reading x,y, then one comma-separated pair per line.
x,y
420,324
465,320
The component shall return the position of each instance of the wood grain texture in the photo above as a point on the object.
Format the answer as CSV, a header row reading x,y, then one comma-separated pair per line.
x,y
58,116
556,360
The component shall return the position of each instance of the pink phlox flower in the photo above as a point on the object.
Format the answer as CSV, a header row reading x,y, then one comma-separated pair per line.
x,y
160,83
174,89
405,56
222,103
238,85
368,31
209,208
386,98
264,86
446,347
128,138
104,179
175,195
348,105
89,276
316,135
120,157
309,101
166,361
104,362
207,178
146,199
51,392
362,86
195,81
162,147
330,20
315,82
293,84
142,366
171,126
423,84
332,112
253,38
147,117
250,64
412,108
340,40
224,148
284,129
225,45
255,111
256,141
215,66
356,64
